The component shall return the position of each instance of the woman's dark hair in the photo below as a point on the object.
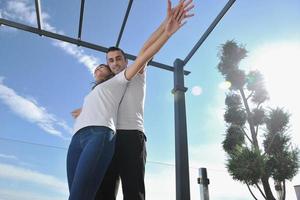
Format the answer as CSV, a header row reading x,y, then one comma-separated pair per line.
x,y
101,81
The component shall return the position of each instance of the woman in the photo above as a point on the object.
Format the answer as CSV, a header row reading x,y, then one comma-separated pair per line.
x,y
101,73
92,145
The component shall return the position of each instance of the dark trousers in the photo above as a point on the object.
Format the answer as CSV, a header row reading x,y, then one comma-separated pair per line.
x,y
128,164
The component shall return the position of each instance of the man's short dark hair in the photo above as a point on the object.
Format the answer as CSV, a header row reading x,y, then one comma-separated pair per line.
x,y
116,49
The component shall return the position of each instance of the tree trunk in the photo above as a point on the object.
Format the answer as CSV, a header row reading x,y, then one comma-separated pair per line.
x,y
250,121
284,191
251,191
267,188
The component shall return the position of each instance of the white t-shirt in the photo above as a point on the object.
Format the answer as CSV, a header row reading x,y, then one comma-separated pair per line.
x,y
131,110
101,104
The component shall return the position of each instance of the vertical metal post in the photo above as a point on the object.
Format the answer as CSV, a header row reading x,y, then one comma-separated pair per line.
x,y
297,190
203,181
81,19
38,14
181,145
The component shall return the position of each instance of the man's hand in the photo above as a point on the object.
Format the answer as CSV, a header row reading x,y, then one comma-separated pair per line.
x,y
76,113
187,6
176,16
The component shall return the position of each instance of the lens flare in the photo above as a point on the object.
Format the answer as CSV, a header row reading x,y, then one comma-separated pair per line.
x,y
196,90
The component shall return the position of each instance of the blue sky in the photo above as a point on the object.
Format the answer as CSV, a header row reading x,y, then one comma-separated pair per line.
x,y
42,80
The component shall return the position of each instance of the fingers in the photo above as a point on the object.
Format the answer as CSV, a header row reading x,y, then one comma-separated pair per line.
x,y
189,15
184,5
177,11
189,8
187,3
169,11
182,24
181,11
180,16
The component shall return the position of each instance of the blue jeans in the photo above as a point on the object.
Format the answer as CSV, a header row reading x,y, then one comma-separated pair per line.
x,y
89,155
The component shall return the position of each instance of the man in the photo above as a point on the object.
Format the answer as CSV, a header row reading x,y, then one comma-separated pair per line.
x,y
129,160
130,152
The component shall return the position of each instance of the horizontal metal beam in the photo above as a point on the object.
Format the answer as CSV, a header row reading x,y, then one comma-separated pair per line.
x,y
156,64
75,41
209,30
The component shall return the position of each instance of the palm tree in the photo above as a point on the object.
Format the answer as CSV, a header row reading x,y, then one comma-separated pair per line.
x,y
251,161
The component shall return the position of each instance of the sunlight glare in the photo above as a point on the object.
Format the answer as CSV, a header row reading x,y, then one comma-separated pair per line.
x,y
225,85
280,65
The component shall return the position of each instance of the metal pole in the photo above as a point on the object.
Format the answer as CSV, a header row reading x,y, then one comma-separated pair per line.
x,y
209,30
203,181
297,190
181,145
81,19
124,23
38,14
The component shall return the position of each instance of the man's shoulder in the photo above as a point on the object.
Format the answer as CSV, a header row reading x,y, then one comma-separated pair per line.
x,y
140,76
120,77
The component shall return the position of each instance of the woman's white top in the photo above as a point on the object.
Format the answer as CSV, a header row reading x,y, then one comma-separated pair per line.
x,y
101,105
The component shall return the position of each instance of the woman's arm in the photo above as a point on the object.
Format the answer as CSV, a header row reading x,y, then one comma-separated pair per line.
x,y
173,23
155,35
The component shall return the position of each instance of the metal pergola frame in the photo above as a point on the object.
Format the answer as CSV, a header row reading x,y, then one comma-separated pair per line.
x,y
181,145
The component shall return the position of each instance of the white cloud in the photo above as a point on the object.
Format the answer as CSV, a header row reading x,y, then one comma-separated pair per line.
x,y
15,173
23,10
214,120
18,10
161,185
199,156
89,61
10,194
26,107
16,160
64,125
31,111
12,157
1,79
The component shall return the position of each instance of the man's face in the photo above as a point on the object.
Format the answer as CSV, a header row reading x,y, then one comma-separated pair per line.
x,y
116,61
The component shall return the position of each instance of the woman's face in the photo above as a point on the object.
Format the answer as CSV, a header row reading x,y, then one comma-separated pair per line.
x,y
102,72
